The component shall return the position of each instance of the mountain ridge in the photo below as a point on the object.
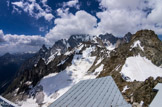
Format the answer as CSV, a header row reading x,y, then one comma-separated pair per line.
x,y
102,58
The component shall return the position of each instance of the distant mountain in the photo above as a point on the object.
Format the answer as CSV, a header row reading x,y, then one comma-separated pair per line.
x,y
109,38
9,65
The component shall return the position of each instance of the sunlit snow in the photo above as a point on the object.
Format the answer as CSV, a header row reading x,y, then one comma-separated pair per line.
x,y
55,85
137,43
125,88
140,68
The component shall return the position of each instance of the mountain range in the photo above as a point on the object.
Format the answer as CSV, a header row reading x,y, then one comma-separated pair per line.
x,y
134,61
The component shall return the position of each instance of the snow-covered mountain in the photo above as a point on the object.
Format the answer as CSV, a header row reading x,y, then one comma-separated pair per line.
x,y
130,60
64,68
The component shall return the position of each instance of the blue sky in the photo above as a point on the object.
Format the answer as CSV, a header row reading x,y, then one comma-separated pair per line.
x,y
27,24
14,22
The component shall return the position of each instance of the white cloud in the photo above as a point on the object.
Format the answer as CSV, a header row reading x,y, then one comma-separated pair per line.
x,y
34,9
156,14
21,43
72,3
119,22
19,4
122,16
79,23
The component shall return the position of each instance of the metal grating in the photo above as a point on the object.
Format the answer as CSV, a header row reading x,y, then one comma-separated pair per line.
x,y
100,92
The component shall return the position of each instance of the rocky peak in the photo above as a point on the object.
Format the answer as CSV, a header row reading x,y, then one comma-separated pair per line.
x,y
61,45
60,42
146,43
147,36
74,40
109,37
43,49
127,37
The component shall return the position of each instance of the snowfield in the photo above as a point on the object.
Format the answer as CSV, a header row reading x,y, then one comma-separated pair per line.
x,y
56,84
140,68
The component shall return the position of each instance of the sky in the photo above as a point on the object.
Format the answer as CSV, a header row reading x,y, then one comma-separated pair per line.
x,y
25,25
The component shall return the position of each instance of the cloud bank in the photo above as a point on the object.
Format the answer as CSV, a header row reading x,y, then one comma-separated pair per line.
x,y
20,43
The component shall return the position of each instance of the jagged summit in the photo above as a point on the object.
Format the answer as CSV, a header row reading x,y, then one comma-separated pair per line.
x,y
147,34
109,37
44,48
127,37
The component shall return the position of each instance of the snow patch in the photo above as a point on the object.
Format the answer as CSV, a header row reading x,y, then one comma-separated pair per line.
x,y
68,53
28,82
99,61
124,89
141,103
117,68
51,58
98,70
79,48
110,47
136,44
140,68
58,52
62,62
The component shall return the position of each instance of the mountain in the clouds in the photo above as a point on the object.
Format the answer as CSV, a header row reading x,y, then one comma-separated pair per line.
x,y
130,60
9,65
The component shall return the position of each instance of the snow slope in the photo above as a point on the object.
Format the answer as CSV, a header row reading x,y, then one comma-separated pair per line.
x,y
55,85
140,68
